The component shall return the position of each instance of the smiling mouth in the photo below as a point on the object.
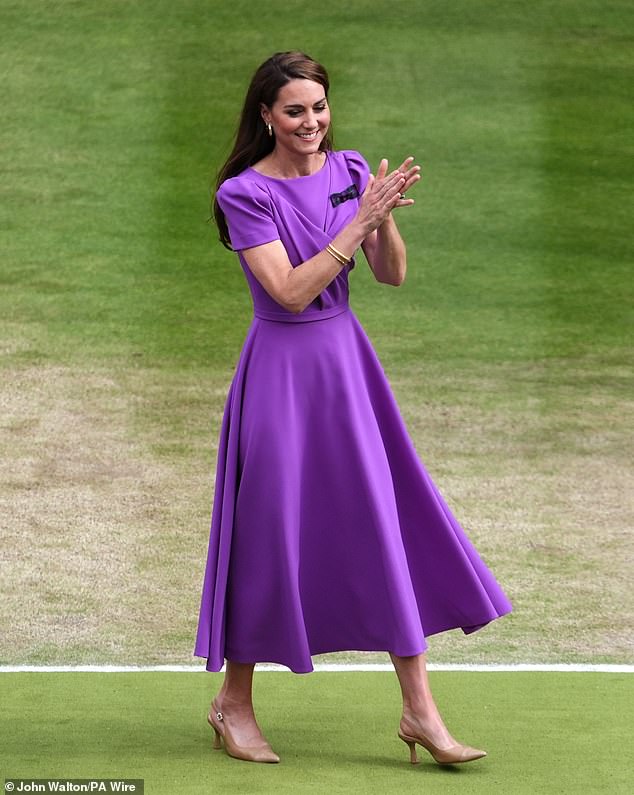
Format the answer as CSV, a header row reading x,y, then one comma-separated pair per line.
x,y
308,136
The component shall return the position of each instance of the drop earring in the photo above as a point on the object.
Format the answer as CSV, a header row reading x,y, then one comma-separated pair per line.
x,y
270,129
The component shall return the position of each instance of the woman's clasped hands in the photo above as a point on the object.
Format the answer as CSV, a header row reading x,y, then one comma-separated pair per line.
x,y
386,191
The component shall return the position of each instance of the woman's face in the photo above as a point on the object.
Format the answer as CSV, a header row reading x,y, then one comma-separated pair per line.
x,y
300,117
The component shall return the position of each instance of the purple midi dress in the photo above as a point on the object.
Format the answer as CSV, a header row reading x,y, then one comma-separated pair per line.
x,y
327,533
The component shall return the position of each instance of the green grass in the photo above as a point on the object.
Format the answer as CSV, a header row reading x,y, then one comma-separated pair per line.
x,y
118,114
121,317
544,733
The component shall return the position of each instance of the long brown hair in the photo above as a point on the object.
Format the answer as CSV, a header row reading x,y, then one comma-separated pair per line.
x,y
252,139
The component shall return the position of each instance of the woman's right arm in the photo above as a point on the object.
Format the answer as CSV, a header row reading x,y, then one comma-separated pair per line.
x,y
295,288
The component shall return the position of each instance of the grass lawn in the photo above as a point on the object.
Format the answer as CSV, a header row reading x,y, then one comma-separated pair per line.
x,y
544,733
121,318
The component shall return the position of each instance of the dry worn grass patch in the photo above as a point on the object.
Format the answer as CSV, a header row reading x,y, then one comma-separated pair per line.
x,y
107,489
97,529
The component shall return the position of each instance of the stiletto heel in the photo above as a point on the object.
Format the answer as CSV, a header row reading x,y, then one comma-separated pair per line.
x,y
263,753
412,750
443,756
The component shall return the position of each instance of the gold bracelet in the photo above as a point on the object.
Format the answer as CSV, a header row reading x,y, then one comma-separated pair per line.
x,y
341,258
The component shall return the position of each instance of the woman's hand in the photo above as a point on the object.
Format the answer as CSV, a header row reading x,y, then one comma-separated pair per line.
x,y
411,174
382,245
386,191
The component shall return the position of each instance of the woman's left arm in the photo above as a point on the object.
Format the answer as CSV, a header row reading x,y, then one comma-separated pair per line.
x,y
384,248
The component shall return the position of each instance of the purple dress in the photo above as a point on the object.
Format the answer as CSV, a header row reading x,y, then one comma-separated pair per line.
x,y
327,533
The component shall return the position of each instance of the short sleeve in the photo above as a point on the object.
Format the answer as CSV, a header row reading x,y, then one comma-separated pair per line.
x,y
248,210
357,167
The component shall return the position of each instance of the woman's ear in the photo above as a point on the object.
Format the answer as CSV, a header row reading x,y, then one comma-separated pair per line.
x,y
265,113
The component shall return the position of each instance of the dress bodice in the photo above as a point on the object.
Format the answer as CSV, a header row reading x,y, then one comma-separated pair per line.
x,y
304,213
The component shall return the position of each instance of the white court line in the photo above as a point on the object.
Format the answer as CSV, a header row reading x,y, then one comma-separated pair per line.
x,y
604,668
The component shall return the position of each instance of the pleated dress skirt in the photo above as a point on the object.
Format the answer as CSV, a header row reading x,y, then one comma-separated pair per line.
x,y
327,532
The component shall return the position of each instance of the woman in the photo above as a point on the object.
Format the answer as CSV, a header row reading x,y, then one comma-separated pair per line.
x,y
327,532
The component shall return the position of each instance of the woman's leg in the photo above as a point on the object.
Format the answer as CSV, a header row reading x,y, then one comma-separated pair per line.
x,y
420,714
235,701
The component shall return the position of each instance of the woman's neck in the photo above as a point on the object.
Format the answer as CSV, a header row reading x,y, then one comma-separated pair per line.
x,y
286,166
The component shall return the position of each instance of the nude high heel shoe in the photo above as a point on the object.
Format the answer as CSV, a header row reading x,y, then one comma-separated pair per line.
x,y
444,756
262,753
